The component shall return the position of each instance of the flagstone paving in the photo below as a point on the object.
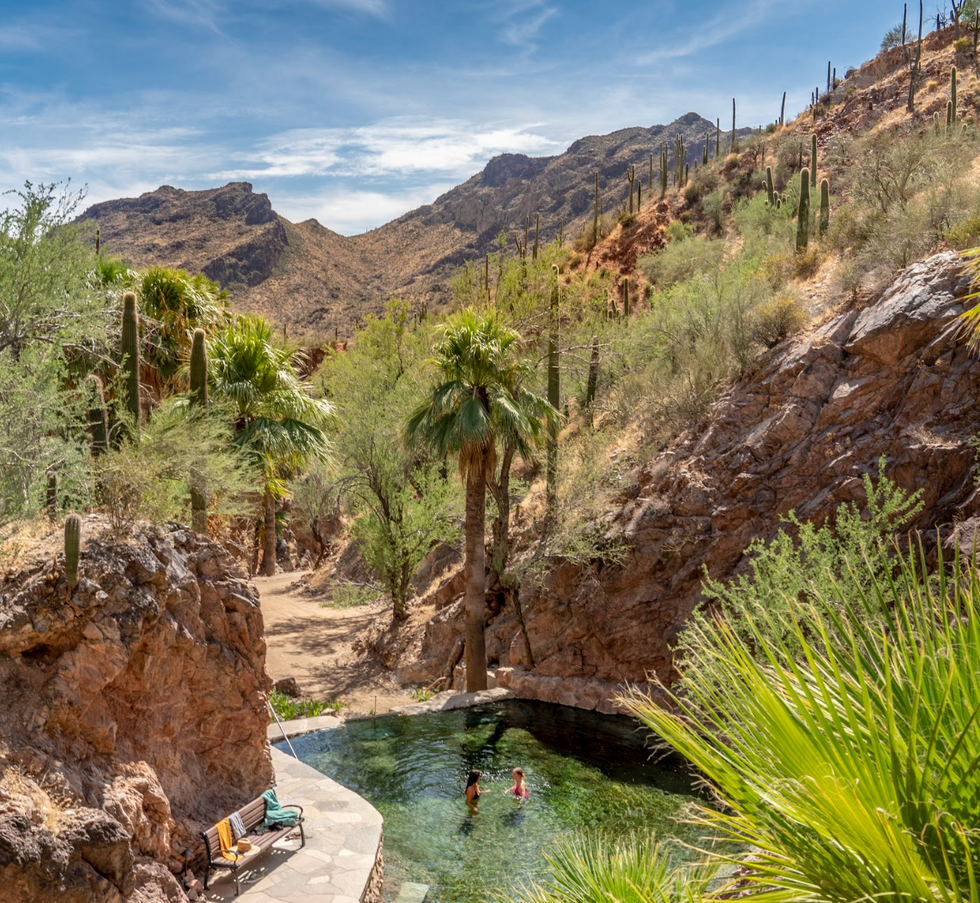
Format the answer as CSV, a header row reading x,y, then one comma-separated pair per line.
x,y
343,843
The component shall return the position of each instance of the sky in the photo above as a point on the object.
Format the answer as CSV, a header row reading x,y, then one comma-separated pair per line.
x,y
354,112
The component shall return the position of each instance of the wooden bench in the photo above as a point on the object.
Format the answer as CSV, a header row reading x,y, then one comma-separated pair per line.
x,y
252,815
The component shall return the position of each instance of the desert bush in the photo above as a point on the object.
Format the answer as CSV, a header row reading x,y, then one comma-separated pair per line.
x,y
839,559
806,263
844,755
773,321
149,478
682,259
964,233
288,708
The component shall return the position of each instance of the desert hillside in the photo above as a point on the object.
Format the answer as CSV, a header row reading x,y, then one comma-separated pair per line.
x,y
312,280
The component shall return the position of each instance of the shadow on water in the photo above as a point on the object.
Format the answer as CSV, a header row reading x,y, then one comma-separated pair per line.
x,y
584,771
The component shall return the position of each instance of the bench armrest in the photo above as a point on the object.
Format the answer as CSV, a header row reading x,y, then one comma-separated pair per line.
x,y
291,806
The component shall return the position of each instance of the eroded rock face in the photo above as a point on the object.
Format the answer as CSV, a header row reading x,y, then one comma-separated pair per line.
x,y
895,379
136,714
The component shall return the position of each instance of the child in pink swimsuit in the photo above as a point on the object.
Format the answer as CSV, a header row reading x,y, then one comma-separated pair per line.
x,y
520,788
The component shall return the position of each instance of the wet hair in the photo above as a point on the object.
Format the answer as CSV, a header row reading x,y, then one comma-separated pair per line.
x,y
474,777
519,771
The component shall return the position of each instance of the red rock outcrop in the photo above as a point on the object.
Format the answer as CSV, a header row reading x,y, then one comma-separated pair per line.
x,y
894,380
134,711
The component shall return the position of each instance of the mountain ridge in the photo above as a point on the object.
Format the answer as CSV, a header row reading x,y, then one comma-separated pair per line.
x,y
306,277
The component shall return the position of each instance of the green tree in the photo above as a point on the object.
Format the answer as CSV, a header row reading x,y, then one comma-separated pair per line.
x,y
476,405
401,504
52,316
173,304
277,420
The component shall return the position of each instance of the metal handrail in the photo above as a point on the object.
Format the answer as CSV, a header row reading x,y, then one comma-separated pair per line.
x,y
282,730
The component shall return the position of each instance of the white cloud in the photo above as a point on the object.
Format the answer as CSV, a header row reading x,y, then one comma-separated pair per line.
x,y
388,149
727,24
350,212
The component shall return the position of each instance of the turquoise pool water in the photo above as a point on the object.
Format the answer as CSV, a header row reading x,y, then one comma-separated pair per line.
x,y
583,770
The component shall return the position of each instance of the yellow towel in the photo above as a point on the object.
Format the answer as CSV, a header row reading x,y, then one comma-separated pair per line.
x,y
224,838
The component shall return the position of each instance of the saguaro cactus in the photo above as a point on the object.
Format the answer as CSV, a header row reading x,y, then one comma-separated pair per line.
x,y
73,534
554,399
98,417
770,189
803,212
813,161
131,355
824,206
782,111
626,296
952,96
199,369
595,212
593,381
631,177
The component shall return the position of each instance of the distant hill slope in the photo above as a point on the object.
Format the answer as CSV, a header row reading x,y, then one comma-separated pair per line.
x,y
309,278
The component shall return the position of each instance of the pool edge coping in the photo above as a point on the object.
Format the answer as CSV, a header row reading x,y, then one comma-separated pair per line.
x,y
446,701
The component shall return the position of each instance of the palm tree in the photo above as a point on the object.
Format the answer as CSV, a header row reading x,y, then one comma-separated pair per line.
x,y
479,403
278,422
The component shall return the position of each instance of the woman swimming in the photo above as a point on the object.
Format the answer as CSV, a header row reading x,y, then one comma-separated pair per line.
x,y
520,787
473,789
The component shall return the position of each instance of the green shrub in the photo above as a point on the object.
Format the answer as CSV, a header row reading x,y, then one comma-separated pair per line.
x,y
601,869
964,233
839,558
682,259
773,321
962,45
843,755
288,709
351,595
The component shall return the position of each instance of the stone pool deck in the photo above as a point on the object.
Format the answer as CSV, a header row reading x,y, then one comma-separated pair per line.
x,y
341,862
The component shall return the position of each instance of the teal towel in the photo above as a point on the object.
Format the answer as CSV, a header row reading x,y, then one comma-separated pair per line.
x,y
275,813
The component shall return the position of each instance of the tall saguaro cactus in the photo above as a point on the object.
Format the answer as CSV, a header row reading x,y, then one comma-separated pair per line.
x,y
782,111
952,97
98,416
595,212
813,160
73,534
131,355
803,212
824,206
593,381
554,392
631,177
770,188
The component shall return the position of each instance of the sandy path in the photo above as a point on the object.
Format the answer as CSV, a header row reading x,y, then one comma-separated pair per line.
x,y
314,645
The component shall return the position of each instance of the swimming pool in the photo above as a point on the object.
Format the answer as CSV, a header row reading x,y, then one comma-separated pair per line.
x,y
583,770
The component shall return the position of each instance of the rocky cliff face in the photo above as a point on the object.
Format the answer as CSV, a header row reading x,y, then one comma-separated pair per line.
x,y
893,380
134,714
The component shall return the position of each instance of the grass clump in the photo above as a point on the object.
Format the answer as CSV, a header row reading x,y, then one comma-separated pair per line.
x,y
289,709
351,595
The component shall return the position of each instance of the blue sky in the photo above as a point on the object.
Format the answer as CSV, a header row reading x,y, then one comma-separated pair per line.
x,y
356,111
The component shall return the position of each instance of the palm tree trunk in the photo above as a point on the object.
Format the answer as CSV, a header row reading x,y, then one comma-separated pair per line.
x,y
269,555
476,578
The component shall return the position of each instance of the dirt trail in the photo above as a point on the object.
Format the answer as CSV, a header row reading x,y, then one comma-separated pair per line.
x,y
314,645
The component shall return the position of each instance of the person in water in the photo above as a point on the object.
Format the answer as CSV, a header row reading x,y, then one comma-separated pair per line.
x,y
520,787
473,789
